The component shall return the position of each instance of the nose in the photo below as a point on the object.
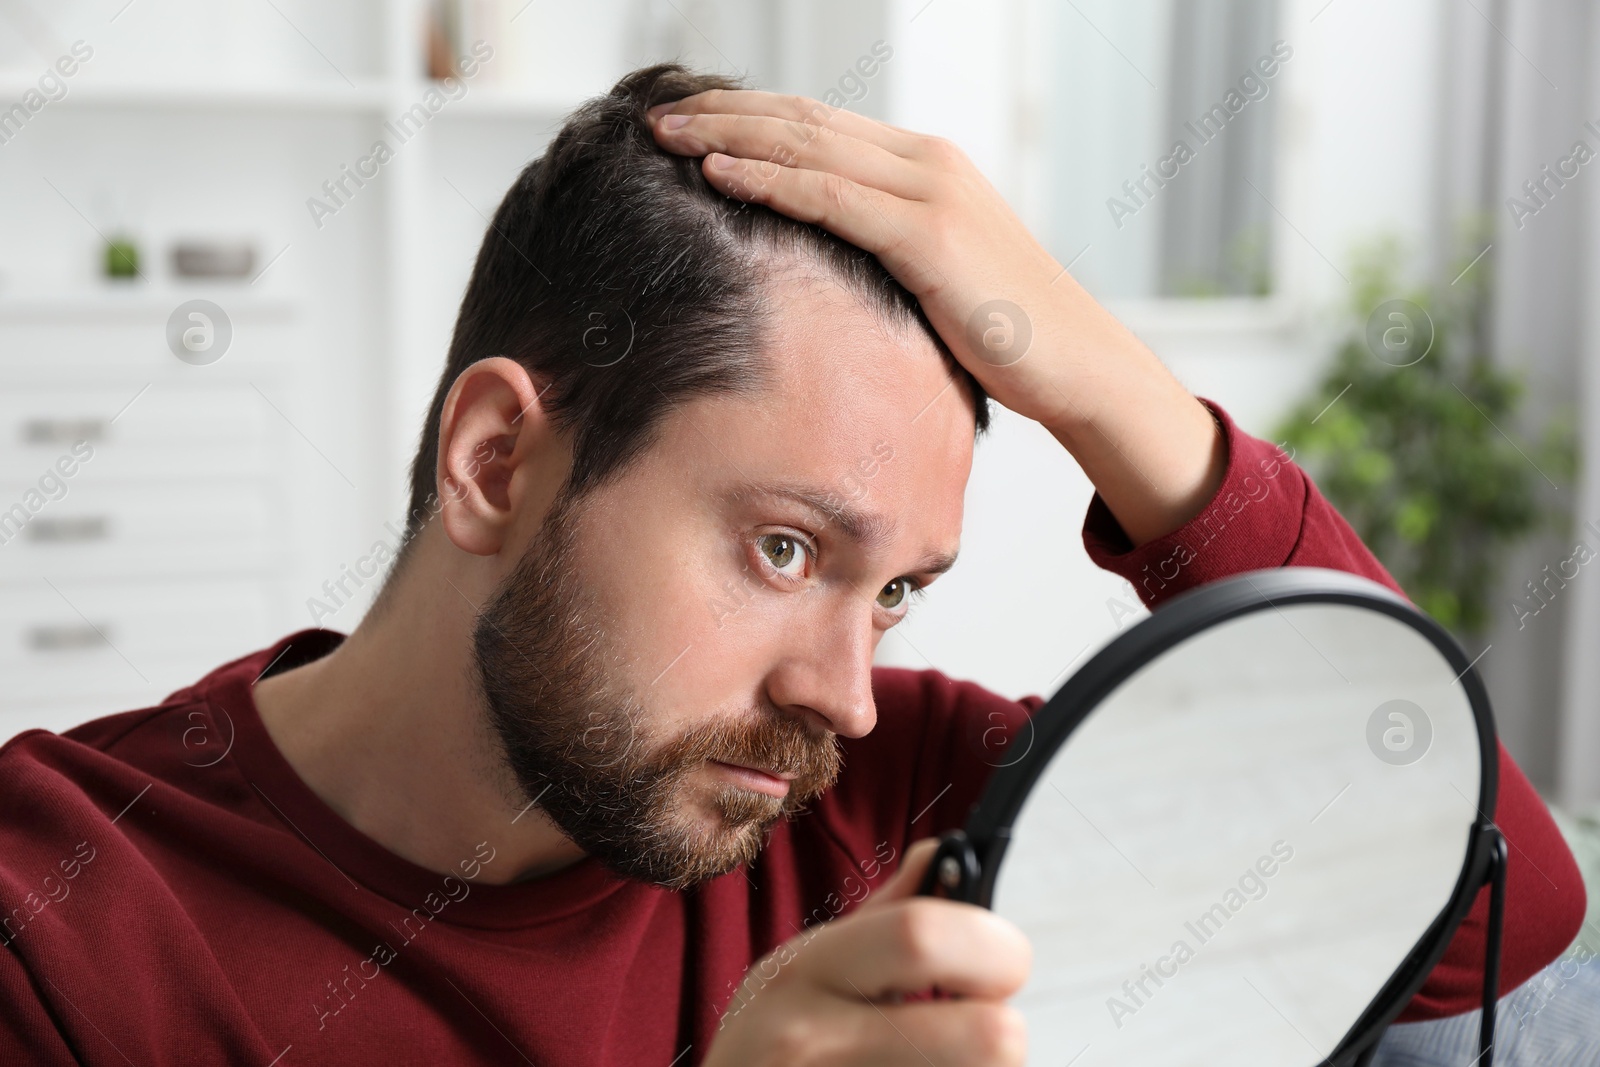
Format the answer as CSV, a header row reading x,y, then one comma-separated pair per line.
x,y
825,674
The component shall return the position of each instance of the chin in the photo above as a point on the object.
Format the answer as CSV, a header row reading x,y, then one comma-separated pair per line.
x,y
721,813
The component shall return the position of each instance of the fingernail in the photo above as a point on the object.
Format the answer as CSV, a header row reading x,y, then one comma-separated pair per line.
x,y
672,122
720,161
659,110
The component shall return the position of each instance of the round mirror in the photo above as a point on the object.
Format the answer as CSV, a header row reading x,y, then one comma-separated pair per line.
x,y
1243,833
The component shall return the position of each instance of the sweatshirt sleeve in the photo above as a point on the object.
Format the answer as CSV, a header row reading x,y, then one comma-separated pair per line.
x,y
1268,513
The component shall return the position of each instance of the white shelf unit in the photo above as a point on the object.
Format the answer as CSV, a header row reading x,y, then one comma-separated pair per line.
x,y
222,498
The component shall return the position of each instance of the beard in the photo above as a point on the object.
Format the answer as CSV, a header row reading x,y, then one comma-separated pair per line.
x,y
581,743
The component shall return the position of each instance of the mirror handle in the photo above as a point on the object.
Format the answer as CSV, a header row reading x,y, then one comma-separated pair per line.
x,y
1496,877
953,872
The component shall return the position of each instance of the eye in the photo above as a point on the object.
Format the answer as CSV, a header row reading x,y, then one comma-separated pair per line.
x,y
785,554
896,594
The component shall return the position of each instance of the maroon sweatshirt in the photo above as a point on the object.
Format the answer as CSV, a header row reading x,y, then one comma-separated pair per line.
x,y
172,893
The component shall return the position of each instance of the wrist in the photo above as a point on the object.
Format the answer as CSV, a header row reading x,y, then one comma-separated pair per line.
x,y
1156,463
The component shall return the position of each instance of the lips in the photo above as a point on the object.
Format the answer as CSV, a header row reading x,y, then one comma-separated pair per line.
x,y
773,783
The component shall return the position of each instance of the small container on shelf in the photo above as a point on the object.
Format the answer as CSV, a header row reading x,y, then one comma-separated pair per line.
x,y
121,258
213,259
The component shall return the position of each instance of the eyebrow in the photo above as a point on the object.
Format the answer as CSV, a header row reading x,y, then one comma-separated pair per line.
x,y
871,532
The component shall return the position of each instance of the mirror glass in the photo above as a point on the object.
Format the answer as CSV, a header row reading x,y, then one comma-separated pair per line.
x,y
1236,849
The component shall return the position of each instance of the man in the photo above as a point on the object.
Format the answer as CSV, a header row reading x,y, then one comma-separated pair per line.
x,y
591,778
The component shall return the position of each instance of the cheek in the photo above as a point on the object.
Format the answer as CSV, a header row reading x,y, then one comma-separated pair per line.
x,y
682,617
723,617
651,612
729,630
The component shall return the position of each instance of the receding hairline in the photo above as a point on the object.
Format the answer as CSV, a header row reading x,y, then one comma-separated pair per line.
x,y
794,261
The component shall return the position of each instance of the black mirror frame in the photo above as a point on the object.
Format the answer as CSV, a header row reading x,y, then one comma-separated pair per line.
x,y
968,861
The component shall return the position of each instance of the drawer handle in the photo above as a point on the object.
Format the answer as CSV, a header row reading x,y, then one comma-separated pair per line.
x,y
64,431
84,528
66,638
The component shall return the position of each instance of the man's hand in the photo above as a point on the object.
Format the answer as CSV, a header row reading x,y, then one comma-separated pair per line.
x,y
833,996
1011,314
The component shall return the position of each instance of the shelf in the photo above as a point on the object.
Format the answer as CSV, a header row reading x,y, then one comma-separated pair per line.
x,y
368,96
139,301
333,98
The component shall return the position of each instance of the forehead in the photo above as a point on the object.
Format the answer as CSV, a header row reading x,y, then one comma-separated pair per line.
x,y
853,405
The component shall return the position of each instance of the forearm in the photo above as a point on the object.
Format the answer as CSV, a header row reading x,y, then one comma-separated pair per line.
x,y
1152,450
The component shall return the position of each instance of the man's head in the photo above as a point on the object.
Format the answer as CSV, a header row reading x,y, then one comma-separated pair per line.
x,y
707,452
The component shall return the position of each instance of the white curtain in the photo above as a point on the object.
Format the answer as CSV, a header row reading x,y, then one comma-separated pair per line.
x,y
1516,90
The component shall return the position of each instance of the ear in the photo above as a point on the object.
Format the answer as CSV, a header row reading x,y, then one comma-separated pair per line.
x,y
498,454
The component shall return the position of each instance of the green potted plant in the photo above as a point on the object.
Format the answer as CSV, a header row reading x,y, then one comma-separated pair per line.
x,y
1412,433
121,258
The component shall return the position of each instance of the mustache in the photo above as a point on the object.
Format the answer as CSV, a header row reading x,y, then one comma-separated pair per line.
x,y
773,741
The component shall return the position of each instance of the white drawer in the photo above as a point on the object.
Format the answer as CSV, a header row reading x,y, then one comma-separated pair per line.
x,y
110,530
112,633
169,431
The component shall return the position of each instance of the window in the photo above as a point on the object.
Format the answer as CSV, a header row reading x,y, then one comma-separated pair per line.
x,y
1160,141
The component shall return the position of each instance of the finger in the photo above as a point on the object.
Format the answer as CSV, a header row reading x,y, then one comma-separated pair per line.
x,y
795,109
911,945
868,218
940,1032
791,143
905,880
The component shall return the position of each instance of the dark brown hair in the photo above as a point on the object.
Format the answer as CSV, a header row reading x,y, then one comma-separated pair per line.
x,y
614,271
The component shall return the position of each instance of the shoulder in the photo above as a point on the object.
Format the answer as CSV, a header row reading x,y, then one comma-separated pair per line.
x,y
42,764
58,790
167,743
54,822
88,766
